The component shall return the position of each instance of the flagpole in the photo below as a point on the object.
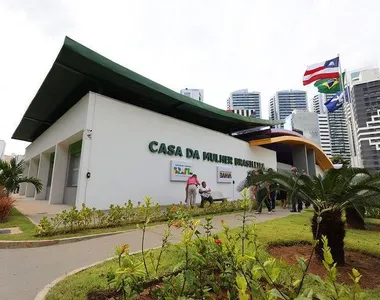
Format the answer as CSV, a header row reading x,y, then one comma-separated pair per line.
x,y
349,122
341,81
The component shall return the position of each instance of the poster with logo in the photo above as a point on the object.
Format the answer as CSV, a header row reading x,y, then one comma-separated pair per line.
x,y
180,170
224,174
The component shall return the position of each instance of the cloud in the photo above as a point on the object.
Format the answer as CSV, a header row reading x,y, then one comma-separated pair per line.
x,y
217,45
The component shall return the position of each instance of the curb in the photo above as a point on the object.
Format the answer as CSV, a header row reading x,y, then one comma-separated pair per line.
x,y
44,243
42,294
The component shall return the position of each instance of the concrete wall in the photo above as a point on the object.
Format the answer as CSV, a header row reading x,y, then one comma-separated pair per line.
x,y
282,166
122,167
318,170
69,124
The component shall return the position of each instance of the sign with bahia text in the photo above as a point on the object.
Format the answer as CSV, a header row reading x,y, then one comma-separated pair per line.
x,y
180,170
224,174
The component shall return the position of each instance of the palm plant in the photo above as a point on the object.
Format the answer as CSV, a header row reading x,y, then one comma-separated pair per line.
x,y
11,175
330,194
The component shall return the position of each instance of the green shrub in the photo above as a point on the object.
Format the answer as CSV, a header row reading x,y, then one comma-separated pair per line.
x,y
372,212
86,218
210,266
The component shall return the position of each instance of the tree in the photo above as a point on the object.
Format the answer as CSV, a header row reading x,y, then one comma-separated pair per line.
x,y
329,194
11,175
354,215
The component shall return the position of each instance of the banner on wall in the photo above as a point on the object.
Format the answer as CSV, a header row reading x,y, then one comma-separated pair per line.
x,y
224,174
180,170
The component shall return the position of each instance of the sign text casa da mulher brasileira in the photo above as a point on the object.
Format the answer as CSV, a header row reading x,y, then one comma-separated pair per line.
x,y
172,150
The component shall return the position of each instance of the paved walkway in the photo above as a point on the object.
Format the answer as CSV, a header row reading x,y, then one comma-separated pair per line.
x,y
24,272
36,209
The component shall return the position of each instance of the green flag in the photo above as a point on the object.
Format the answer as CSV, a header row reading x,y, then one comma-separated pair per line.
x,y
329,86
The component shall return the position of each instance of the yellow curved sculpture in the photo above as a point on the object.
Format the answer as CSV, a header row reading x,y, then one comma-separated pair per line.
x,y
321,159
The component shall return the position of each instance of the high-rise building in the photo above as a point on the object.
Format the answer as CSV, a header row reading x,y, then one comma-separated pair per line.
x,y
337,125
317,104
196,94
2,148
283,103
305,122
243,99
243,111
364,117
324,131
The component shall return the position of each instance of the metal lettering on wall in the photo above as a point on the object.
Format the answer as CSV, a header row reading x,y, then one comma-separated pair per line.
x,y
172,150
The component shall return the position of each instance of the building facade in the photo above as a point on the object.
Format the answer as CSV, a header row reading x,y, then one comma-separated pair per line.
x,y
364,110
283,103
250,102
337,124
306,122
81,158
324,131
2,148
196,94
243,112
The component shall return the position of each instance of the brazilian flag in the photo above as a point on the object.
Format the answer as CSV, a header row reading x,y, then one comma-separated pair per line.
x,y
329,86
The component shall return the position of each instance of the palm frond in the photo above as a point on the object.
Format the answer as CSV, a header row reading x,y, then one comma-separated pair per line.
x,y
36,182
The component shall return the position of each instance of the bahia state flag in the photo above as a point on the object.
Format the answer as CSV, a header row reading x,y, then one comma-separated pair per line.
x,y
336,102
330,86
324,70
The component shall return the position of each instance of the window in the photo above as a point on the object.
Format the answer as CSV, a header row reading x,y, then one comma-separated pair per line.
x,y
74,162
50,171
72,179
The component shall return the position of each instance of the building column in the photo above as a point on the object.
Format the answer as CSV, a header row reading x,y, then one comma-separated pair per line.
x,y
58,180
43,173
299,154
25,174
32,172
311,162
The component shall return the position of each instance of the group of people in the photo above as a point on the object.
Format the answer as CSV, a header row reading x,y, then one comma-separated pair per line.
x,y
268,192
191,188
263,193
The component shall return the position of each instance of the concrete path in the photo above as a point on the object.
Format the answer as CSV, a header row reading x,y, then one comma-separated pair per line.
x,y
24,272
36,209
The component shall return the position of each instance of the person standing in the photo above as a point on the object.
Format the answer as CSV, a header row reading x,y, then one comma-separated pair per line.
x,y
263,195
192,184
296,200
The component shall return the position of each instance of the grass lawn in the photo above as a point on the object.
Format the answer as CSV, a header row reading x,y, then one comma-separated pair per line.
x,y
285,230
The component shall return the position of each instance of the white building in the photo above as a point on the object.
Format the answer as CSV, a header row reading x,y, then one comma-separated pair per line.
x,y
363,117
196,94
107,135
2,148
337,125
304,121
245,103
324,131
243,111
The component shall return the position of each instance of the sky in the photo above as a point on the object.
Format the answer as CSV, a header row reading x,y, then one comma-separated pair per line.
x,y
219,46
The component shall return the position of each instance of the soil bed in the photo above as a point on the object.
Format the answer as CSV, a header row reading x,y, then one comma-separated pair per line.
x,y
373,227
367,265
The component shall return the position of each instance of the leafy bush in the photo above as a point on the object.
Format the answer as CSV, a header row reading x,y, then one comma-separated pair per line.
x,y
86,218
6,203
212,266
372,212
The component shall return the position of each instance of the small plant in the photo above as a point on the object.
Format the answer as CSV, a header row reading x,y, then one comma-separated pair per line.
x,y
127,278
76,220
230,264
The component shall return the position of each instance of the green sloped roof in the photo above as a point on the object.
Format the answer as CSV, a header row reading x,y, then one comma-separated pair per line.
x,y
78,70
